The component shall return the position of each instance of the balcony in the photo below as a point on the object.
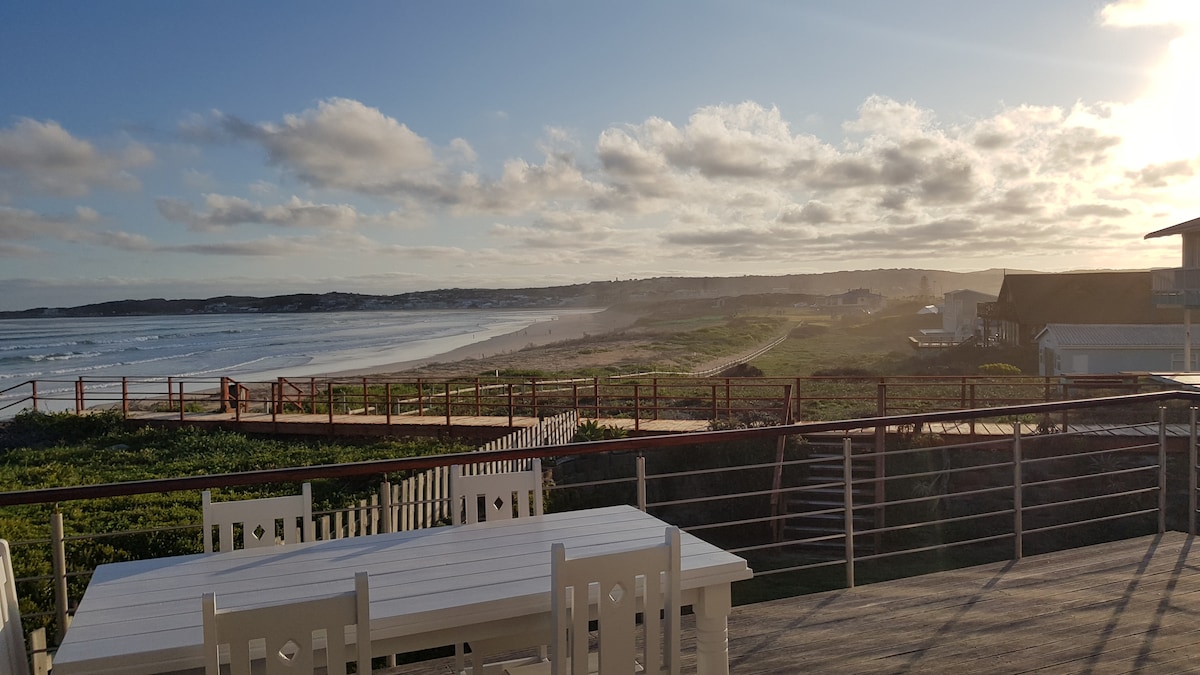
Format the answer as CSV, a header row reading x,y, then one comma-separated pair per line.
x,y
1176,287
892,543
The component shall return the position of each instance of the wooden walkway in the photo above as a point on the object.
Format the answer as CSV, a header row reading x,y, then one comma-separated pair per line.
x,y
1122,607
485,426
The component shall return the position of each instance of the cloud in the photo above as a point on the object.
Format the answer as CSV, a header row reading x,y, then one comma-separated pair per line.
x,y
343,144
43,158
1161,175
224,212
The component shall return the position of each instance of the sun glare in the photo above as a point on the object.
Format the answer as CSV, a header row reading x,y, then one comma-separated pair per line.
x,y
1161,126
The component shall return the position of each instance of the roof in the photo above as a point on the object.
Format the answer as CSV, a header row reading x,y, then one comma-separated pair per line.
x,y
968,293
1192,225
1118,335
1082,297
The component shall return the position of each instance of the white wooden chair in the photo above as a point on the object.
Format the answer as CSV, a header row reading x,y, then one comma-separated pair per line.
x,y
13,659
612,589
259,520
290,638
489,498
496,496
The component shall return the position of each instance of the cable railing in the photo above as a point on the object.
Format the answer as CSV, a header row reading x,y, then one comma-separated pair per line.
x,y
810,505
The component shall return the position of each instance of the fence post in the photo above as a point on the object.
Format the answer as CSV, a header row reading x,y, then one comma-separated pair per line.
x,y
641,481
510,405
448,404
1162,469
637,407
124,396
387,404
848,507
1192,473
181,406
1018,496
58,553
385,503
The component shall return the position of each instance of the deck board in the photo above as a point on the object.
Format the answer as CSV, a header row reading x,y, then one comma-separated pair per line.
x,y
1126,606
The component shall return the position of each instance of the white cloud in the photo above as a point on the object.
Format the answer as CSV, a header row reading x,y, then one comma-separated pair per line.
x,y
42,157
223,212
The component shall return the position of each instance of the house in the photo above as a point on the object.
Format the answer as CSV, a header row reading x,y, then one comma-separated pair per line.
x,y
960,320
1091,349
1028,302
856,300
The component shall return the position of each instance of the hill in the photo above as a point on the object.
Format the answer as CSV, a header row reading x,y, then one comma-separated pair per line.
x,y
891,283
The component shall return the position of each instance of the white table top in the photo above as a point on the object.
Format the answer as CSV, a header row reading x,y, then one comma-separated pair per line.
x,y
145,616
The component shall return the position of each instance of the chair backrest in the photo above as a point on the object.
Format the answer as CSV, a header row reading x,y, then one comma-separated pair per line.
x,y
12,636
290,634
496,496
259,519
612,589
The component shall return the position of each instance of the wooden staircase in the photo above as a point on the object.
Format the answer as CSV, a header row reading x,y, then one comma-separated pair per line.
x,y
816,511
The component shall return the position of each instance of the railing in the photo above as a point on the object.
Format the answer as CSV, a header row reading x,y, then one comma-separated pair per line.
x,y
1176,287
761,492
391,401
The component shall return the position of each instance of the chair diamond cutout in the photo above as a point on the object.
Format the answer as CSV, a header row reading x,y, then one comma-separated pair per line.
x,y
499,504
289,650
617,594
258,532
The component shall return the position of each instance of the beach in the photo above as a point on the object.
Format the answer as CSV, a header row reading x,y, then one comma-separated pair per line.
x,y
556,343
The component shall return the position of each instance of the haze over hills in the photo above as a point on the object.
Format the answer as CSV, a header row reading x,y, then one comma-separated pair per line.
x,y
892,283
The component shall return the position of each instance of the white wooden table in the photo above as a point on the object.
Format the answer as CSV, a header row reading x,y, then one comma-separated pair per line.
x,y
429,588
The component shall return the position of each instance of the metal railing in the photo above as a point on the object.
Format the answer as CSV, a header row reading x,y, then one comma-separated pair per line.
x,y
810,505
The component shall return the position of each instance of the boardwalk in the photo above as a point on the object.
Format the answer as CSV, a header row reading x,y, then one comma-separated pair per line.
x,y
1121,607
485,426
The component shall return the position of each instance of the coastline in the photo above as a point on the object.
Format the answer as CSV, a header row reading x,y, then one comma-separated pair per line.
x,y
542,333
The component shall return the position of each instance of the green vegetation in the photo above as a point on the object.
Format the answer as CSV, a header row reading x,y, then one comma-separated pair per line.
x,y
39,450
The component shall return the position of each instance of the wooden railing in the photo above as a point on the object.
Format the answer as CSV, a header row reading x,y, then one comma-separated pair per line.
x,y
642,398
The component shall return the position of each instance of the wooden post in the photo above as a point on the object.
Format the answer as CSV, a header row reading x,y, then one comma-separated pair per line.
x,y
329,402
510,405
34,394
641,481
170,393
58,552
654,396
596,396
447,404
181,405
533,395
420,402
478,405
637,407
79,396
124,396
387,403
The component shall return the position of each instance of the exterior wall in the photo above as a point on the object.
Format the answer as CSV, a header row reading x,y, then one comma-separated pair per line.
x,y
960,312
1098,361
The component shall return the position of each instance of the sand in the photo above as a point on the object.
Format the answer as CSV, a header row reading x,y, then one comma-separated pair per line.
x,y
499,351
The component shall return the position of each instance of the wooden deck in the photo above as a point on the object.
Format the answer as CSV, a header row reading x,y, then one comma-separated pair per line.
x,y
1127,606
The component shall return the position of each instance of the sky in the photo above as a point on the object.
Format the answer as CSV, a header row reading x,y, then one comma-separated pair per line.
x,y
193,149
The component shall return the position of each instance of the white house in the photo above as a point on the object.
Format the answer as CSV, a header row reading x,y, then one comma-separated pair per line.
x,y
1091,349
960,319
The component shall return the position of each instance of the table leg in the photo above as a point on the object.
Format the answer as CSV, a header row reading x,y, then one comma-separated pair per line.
x,y
712,630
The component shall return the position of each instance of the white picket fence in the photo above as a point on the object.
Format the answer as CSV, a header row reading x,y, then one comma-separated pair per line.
x,y
423,500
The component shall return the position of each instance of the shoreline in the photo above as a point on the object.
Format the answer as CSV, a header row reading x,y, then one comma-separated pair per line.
x,y
539,334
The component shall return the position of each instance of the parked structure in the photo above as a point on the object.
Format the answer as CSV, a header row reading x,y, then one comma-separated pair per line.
x,y
1081,349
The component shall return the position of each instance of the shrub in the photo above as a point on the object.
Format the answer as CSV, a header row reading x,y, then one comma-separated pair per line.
x,y
999,369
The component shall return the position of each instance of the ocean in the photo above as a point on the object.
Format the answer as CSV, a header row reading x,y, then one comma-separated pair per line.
x,y
249,347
